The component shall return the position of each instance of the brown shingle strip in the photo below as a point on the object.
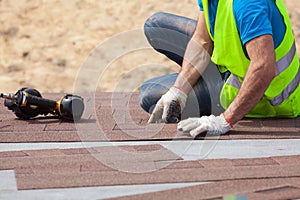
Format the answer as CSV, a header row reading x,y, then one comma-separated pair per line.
x,y
13,125
127,154
287,160
44,153
175,174
252,135
95,166
178,165
169,132
218,190
12,154
216,163
284,192
77,168
76,151
272,127
254,162
39,136
13,162
266,129
54,168
122,119
278,189
57,126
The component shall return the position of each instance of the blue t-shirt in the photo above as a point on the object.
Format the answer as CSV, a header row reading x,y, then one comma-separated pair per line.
x,y
253,18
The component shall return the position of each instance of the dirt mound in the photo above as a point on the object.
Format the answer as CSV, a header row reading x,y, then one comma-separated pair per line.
x,y
44,43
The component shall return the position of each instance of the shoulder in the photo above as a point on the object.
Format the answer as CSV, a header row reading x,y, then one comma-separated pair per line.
x,y
244,8
253,18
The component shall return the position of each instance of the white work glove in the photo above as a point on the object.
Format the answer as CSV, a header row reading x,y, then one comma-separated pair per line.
x,y
168,109
212,125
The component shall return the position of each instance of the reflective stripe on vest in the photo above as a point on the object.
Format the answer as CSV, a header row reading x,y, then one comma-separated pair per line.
x,y
287,91
282,64
285,62
235,82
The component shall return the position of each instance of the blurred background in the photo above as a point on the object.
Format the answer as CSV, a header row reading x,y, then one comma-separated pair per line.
x,y
44,43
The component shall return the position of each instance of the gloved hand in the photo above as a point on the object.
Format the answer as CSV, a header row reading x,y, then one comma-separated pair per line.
x,y
168,108
212,125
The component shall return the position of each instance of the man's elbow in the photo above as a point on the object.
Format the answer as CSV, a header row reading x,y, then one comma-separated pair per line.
x,y
269,72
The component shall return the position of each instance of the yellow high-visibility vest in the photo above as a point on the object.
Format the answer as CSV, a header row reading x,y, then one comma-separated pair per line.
x,y
282,98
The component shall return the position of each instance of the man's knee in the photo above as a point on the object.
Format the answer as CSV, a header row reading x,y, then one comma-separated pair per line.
x,y
154,20
153,24
146,101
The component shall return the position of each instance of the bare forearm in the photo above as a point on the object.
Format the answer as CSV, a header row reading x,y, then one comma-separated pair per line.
x,y
251,92
260,74
194,64
197,57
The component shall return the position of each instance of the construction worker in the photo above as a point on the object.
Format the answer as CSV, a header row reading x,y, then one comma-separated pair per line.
x,y
252,44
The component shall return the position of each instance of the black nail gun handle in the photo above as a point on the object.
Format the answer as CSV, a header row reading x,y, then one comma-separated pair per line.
x,y
25,99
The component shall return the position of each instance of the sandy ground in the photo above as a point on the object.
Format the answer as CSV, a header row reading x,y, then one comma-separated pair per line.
x,y
44,43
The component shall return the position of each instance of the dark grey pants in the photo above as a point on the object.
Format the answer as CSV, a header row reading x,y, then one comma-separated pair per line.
x,y
169,34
